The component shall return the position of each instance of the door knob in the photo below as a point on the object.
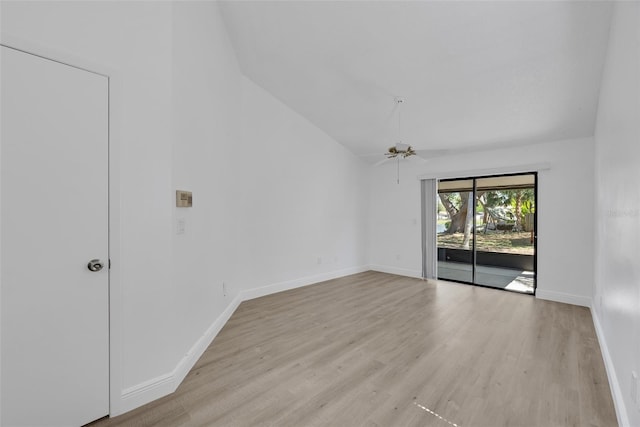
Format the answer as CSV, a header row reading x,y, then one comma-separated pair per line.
x,y
95,265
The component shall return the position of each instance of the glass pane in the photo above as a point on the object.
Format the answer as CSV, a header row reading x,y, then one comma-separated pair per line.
x,y
505,232
454,230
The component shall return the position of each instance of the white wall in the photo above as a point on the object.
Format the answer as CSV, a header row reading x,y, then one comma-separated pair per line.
x,y
300,197
277,203
617,211
565,258
206,115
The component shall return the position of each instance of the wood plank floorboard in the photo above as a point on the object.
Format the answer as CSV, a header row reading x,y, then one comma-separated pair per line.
x,y
374,349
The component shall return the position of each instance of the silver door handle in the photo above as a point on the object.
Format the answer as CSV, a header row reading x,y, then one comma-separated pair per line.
x,y
95,265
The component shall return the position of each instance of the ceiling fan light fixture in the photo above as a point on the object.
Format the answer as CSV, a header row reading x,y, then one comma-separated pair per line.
x,y
402,150
402,147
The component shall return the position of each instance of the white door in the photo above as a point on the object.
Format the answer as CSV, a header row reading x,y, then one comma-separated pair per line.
x,y
54,205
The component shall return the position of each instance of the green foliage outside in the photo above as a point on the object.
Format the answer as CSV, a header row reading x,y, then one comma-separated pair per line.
x,y
501,221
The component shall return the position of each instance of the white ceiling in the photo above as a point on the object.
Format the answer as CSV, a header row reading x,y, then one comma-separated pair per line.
x,y
472,74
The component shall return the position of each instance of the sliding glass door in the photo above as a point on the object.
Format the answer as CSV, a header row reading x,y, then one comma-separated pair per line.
x,y
486,231
455,230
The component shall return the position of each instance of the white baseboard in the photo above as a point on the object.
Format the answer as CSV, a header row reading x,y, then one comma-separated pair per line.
x,y
397,271
192,356
562,297
148,391
143,393
616,392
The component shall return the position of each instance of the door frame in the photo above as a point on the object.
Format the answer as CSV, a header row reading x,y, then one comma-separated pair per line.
x,y
473,249
114,84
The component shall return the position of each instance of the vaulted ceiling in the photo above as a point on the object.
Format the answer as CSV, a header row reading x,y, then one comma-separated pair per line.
x,y
472,74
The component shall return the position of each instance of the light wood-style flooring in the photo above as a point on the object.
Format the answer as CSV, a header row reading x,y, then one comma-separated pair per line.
x,y
375,349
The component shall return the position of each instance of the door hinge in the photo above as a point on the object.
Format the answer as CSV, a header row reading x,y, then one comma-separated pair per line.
x,y
109,263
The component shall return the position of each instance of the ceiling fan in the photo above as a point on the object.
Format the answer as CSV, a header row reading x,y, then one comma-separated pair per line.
x,y
399,150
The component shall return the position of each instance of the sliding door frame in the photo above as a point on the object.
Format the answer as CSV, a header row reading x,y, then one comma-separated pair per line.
x,y
473,247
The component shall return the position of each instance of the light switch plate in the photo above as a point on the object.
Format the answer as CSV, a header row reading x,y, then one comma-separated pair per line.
x,y
181,226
